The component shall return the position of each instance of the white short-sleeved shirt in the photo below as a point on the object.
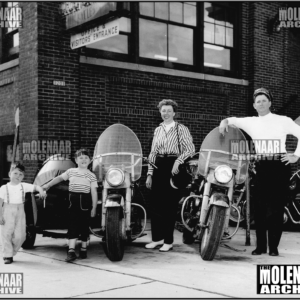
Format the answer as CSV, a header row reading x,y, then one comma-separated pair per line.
x,y
80,182
15,192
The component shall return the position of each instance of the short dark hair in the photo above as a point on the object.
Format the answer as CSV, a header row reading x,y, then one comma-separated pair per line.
x,y
263,91
168,102
18,166
82,151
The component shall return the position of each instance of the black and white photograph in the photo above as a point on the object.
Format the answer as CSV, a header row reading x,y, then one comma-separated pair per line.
x,y
150,149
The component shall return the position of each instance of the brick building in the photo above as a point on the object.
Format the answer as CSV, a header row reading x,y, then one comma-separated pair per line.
x,y
207,56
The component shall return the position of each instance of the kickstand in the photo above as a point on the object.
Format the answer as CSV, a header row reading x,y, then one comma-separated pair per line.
x,y
231,248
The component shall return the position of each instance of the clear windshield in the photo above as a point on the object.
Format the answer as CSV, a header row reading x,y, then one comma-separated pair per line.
x,y
52,167
119,147
217,149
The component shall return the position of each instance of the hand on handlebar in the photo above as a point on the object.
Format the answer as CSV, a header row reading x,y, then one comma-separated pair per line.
x,y
223,127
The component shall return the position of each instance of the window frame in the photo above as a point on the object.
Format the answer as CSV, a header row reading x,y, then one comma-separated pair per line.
x,y
6,38
198,43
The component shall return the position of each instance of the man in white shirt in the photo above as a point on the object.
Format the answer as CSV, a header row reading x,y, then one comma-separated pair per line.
x,y
272,178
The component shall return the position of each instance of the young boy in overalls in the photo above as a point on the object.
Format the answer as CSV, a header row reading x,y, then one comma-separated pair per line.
x,y
12,214
83,201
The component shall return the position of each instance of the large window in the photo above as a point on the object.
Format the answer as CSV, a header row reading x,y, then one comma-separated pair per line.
x,y
193,36
9,38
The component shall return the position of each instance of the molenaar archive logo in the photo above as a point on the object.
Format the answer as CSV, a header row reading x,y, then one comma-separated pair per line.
x,y
11,17
289,17
11,283
278,279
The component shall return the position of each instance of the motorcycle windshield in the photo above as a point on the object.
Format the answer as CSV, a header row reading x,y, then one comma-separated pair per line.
x,y
217,149
52,167
118,147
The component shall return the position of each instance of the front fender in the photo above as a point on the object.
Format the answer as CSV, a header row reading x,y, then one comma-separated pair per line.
x,y
114,200
219,199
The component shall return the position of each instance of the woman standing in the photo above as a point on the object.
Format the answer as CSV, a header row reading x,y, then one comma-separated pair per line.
x,y
172,144
272,172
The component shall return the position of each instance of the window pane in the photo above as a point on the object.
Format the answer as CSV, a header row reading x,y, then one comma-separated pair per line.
x,y
208,11
209,33
118,44
216,57
229,37
153,40
16,40
147,8
125,24
219,35
180,45
161,10
176,12
189,10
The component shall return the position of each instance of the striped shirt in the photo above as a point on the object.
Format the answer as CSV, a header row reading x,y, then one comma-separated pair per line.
x,y
80,182
167,143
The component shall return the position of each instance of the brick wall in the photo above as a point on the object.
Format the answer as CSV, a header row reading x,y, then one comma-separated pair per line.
x,y
95,97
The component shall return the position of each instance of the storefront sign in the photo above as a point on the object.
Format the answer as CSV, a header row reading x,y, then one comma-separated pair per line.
x,y
95,34
89,12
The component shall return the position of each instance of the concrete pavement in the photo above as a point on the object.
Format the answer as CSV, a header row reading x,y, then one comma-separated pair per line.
x,y
143,273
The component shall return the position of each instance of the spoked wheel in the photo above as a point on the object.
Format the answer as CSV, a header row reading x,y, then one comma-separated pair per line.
x,y
212,234
234,214
114,238
138,221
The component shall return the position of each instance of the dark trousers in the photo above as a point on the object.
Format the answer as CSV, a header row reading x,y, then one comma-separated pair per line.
x,y
270,196
164,201
79,214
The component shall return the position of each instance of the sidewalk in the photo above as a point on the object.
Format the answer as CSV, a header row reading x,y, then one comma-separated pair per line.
x,y
143,273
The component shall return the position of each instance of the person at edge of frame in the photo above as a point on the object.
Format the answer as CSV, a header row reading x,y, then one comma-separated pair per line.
x,y
83,202
12,213
272,170
171,145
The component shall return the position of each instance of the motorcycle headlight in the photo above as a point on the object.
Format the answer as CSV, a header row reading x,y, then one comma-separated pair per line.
x,y
223,174
115,177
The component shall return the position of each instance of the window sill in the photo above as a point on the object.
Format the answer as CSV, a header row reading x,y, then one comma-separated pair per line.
x,y
9,64
144,68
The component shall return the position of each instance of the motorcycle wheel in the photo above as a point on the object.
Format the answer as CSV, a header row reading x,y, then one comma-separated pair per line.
x,y
187,237
114,240
212,234
30,237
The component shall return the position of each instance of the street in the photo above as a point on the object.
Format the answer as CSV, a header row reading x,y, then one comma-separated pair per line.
x,y
180,273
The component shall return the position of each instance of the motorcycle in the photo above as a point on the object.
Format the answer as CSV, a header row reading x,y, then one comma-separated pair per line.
x,y
292,209
117,164
205,213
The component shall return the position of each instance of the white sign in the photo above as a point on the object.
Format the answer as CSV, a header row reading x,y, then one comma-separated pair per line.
x,y
95,34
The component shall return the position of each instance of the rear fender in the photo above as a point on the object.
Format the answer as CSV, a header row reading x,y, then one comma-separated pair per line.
x,y
219,199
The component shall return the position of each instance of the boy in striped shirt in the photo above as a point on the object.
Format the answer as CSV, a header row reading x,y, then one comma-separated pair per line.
x,y
83,201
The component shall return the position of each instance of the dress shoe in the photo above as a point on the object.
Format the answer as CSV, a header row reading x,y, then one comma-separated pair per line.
x,y
166,248
153,245
274,252
258,252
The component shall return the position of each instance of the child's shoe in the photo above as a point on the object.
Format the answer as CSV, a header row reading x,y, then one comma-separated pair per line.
x,y
71,255
83,253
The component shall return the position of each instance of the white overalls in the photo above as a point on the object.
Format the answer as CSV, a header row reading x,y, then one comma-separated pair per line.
x,y
13,232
